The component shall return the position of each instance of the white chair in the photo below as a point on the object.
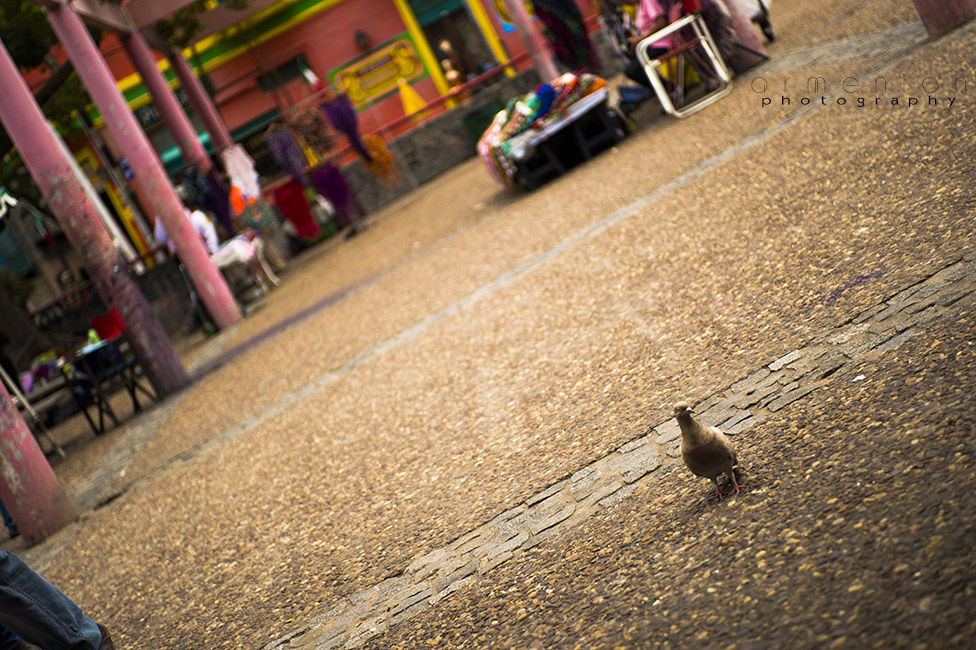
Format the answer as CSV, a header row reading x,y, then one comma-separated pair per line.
x,y
700,52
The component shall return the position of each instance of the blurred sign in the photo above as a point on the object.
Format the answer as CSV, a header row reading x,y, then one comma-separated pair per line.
x,y
379,72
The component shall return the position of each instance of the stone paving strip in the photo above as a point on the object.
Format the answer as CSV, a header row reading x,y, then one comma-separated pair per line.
x,y
611,479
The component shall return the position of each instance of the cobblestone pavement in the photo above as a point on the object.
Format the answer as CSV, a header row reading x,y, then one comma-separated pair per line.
x,y
452,402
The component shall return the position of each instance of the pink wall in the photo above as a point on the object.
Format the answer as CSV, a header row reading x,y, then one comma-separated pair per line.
x,y
327,42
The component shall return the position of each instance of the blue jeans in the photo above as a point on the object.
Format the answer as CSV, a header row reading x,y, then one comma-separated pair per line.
x,y
34,609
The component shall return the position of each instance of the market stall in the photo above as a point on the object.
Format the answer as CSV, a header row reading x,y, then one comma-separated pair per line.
x,y
545,132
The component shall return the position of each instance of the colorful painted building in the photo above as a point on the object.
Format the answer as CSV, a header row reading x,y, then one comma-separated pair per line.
x,y
256,65
254,69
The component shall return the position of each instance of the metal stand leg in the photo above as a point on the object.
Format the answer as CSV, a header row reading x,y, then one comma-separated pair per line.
x,y
35,418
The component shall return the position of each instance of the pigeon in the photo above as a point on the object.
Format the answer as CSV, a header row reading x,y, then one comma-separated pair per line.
x,y
705,450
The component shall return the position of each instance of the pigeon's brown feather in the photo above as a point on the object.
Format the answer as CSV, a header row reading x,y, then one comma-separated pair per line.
x,y
705,450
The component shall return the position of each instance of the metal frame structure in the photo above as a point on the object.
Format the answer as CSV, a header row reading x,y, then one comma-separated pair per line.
x,y
652,67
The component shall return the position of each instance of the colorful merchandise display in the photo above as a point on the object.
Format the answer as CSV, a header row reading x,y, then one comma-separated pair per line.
x,y
546,104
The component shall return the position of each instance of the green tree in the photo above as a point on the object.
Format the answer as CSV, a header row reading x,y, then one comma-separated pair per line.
x,y
25,32
28,37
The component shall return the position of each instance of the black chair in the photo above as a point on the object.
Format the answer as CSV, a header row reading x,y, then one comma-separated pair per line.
x,y
97,372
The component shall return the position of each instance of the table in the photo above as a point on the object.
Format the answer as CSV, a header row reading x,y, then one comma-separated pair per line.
x,y
97,371
589,125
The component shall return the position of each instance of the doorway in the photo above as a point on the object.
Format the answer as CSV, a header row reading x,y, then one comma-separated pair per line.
x,y
454,36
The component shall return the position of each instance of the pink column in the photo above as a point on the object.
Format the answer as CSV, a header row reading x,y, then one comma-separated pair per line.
x,y
165,101
66,197
939,16
201,102
122,124
533,39
28,486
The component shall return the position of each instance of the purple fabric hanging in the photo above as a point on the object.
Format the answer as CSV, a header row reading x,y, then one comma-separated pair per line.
x,y
288,153
343,117
329,182
219,200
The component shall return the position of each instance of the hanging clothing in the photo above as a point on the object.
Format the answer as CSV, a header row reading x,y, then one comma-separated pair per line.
x,y
566,34
378,158
382,163
240,168
329,182
313,127
219,203
291,202
342,115
287,152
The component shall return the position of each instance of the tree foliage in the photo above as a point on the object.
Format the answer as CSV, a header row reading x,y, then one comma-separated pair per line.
x,y
25,31
28,37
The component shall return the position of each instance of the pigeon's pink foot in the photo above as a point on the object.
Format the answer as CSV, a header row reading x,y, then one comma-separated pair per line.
x,y
735,490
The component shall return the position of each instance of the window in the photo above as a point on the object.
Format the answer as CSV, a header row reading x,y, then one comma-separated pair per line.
x,y
282,74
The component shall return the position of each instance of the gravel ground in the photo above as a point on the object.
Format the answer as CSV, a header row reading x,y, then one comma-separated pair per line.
x,y
855,531
474,347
